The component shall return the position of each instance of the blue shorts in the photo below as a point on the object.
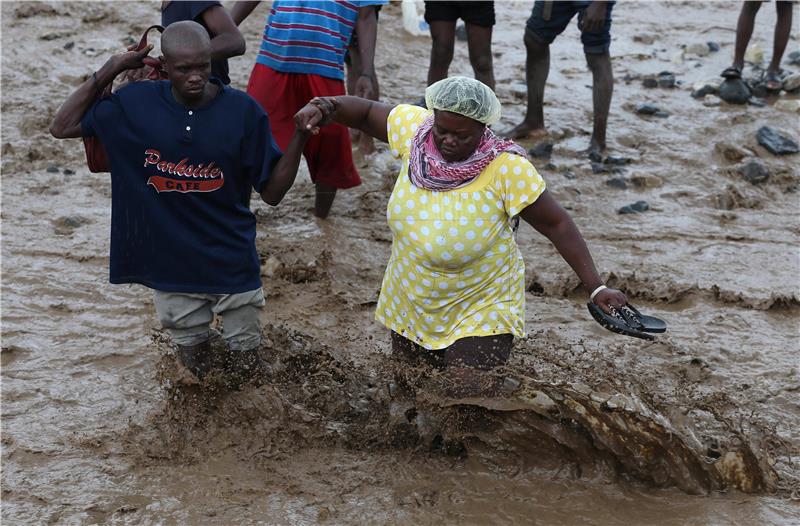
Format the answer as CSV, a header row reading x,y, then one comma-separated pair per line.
x,y
545,31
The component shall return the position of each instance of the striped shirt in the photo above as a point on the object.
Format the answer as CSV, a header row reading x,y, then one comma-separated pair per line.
x,y
309,37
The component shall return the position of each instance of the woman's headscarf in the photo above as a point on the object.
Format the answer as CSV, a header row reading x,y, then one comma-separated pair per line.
x,y
470,98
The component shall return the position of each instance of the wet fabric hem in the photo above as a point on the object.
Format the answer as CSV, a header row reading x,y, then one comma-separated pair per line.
x,y
443,344
186,289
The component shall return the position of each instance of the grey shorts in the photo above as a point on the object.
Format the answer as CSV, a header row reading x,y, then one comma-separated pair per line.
x,y
187,317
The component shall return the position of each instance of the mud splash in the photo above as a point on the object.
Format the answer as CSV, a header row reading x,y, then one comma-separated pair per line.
x,y
315,397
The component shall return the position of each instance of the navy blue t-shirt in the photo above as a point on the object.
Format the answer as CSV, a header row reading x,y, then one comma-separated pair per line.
x,y
180,10
181,181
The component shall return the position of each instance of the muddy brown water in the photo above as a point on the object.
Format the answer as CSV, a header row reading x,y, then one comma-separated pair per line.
x,y
699,427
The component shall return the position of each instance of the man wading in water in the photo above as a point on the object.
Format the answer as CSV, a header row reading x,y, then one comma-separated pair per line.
x,y
185,155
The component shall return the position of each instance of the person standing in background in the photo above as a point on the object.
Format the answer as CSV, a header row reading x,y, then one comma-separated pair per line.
x,y
547,21
744,30
355,70
479,19
226,39
302,57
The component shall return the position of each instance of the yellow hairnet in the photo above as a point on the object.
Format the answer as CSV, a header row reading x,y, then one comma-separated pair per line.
x,y
465,96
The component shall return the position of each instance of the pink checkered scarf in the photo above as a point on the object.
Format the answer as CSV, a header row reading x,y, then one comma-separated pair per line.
x,y
427,169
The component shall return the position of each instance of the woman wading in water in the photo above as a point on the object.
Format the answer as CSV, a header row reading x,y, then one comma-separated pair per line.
x,y
453,292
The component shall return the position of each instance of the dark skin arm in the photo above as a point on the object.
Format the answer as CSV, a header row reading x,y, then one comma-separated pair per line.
x,y
554,223
227,41
283,176
594,17
242,10
367,28
354,112
67,121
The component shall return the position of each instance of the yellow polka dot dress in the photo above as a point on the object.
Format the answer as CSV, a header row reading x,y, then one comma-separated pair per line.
x,y
455,269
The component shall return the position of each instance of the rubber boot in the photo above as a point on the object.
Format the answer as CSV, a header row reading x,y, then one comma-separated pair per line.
x,y
243,367
196,358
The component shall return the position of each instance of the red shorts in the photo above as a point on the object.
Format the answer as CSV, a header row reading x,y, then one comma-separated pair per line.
x,y
329,154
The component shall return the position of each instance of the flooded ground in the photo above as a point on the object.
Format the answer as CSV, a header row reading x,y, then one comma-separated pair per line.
x,y
700,427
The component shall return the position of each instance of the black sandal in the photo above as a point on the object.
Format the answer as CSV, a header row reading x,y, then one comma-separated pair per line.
x,y
772,81
627,321
731,73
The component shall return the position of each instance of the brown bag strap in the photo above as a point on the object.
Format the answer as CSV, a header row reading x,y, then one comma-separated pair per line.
x,y
149,61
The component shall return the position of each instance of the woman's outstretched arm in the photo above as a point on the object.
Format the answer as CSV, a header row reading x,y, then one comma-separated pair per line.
x,y
366,115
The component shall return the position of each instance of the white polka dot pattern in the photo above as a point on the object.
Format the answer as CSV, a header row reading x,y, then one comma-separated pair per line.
x,y
465,276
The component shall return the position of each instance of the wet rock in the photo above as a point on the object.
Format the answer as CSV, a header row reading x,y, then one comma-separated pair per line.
x,y
53,169
790,105
754,55
68,171
666,79
776,142
600,168
711,101
617,161
706,87
650,82
617,182
647,109
69,45
791,82
67,224
646,181
731,152
701,50
271,267
754,172
461,32
793,58
758,90
634,208
543,150
645,38
734,91
757,102
661,114
713,47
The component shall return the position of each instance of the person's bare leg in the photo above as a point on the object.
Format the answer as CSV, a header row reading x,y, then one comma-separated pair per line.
x,y
323,199
469,362
364,143
479,43
537,67
443,39
602,88
352,65
744,30
783,28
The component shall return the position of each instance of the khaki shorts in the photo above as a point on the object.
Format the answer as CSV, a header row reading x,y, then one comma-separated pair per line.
x,y
188,317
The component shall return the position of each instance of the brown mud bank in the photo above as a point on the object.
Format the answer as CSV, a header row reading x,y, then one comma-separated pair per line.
x,y
604,427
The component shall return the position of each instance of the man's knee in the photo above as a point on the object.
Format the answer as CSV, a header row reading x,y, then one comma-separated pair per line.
x,y
534,44
482,63
441,53
241,320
